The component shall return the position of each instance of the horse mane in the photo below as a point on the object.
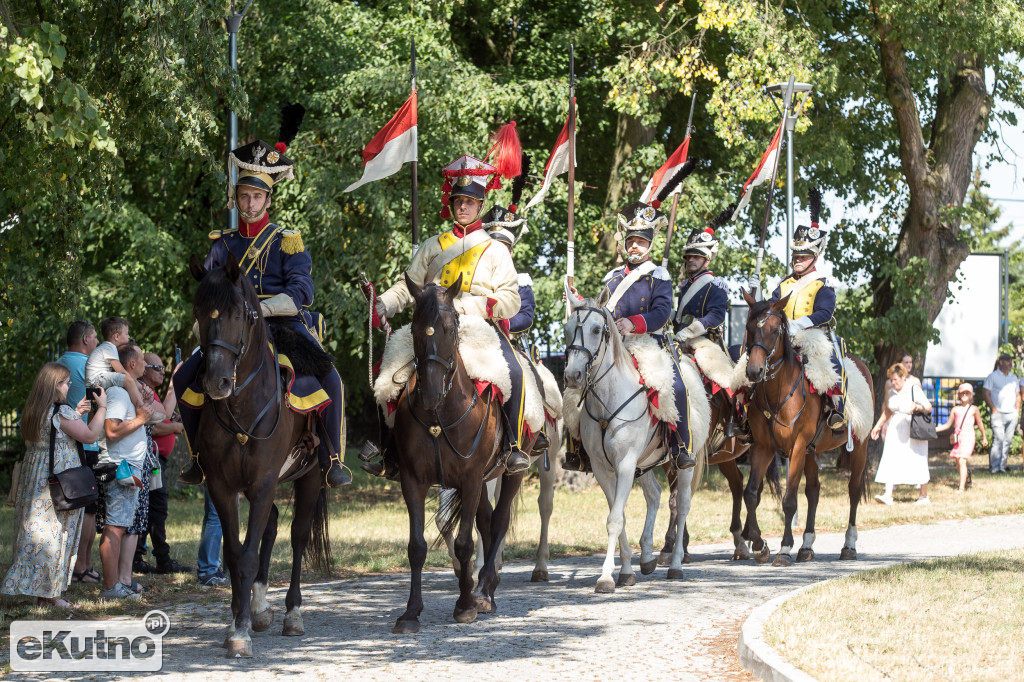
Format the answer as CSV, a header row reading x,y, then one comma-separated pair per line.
x,y
620,356
217,292
788,350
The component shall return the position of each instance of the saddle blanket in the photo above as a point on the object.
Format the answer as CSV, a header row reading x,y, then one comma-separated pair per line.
x,y
713,362
305,393
816,349
482,358
655,367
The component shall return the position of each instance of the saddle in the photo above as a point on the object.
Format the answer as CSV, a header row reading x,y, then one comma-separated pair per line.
x,y
305,355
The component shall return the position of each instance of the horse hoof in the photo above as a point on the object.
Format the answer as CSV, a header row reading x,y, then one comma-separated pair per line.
x,y
627,580
263,620
604,586
227,636
741,555
763,555
464,615
665,558
647,567
805,554
848,553
686,557
783,560
406,627
483,605
675,574
293,624
239,648
539,576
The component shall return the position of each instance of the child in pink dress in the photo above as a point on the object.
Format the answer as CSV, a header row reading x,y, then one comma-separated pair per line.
x,y
963,418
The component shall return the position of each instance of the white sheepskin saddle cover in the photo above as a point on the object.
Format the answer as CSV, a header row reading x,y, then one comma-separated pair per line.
x,y
713,361
656,369
483,360
816,349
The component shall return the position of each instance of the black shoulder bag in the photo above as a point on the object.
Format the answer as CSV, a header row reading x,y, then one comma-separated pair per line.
x,y
921,425
72,488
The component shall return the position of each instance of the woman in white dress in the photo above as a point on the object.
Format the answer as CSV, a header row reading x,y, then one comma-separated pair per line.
x,y
904,459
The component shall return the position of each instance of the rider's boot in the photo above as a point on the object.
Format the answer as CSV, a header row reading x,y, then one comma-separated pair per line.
x,y
541,444
334,472
681,455
837,417
193,474
514,460
576,458
377,462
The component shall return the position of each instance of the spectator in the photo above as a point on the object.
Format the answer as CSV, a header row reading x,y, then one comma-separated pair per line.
x,y
904,459
125,440
82,341
907,360
47,540
103,367
209,570
1003,395
164,435
962,419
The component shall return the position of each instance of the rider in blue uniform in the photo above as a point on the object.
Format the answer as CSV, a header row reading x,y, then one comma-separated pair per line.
x,y
703,298
280,269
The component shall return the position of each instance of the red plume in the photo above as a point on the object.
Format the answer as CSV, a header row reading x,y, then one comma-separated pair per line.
x,y
655,204
281,147
447,186
445,213
508,154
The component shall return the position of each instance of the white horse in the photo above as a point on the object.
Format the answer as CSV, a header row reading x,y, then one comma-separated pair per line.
x,y
617,432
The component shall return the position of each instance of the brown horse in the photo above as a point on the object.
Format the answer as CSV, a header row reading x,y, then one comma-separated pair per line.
x,y
248,441
448,434
786,416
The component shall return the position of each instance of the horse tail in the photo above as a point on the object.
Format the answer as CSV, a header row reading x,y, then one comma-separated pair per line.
x,y
772,477
318,549
448,515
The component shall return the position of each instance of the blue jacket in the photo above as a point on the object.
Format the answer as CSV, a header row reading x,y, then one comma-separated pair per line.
x,y
709,305
648,302
523,320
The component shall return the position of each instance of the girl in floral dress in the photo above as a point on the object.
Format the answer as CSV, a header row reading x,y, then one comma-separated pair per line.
x,y
963,418
47,540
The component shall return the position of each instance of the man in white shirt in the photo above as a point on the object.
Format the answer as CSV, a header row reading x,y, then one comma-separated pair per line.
x,y
1002,391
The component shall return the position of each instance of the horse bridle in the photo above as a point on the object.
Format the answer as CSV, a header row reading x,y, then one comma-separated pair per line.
x,y
450,364
769,372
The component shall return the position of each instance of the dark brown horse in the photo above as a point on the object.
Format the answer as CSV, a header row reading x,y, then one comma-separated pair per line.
x,y
248,440
786,417
449,435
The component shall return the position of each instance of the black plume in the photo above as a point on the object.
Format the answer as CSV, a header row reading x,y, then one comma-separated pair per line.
x,y
676,180
722,218
814,201
291,119
520,180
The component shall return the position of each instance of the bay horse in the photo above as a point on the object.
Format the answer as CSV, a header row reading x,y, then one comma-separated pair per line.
x,y
617,430
785,416
449,434
249,440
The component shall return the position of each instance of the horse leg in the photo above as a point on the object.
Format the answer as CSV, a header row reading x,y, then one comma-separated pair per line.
x,y
485,538
760,458
605,583
683,497
652,493
858,464
465,607
546,504
812,490
307,492
225,502
617,525
262,613
734,476
670,533
491,491
500,521
415,494
444,498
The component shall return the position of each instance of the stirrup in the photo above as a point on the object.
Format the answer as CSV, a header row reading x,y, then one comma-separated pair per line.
x,y
836,421
522,463
194,474
336,474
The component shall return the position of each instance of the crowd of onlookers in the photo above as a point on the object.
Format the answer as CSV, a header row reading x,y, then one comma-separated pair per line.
x,y
98,405
905,458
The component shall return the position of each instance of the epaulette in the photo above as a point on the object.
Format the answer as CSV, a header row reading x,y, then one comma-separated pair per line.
x,y
525,280
660,273
291,242
217,234
612,273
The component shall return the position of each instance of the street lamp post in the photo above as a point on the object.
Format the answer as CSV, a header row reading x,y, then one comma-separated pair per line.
x,y
779,89
232,23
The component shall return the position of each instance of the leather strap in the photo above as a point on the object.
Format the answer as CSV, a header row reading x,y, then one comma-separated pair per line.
x,y
470,241
260,243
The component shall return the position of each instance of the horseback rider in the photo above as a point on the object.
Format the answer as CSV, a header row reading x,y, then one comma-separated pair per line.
x,y
812,299
280,269
703,298
641,303
489,282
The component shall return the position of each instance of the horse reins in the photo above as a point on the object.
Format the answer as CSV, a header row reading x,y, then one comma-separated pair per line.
x,y
769,372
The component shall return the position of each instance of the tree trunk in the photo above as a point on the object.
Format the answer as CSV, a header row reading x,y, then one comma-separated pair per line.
x,y
938,176
623,189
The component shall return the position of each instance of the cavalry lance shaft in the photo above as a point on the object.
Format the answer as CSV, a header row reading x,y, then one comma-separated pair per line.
x,y
570,256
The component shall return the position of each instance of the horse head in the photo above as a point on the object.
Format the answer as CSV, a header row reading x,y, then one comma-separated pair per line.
x,y
230,321
767,337
588,331
435,340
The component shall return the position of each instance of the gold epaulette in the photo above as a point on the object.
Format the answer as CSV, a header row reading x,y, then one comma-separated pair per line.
x,y
217,234
291,242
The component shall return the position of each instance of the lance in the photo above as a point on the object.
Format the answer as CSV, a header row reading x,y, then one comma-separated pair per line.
x,y
570,256
787,98
675,197
415,213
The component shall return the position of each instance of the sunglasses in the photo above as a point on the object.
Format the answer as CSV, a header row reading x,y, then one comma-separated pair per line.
x,y
159,368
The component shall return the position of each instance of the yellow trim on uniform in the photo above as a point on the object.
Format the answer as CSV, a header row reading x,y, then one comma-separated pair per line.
x,y
802,304
193,399
265,177
465,264
291,242
309,402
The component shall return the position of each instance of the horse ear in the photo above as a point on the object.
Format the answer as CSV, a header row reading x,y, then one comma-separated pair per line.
x,y
451,292
195,266
231,267
748,296
569,295
413,288
780,305
605,296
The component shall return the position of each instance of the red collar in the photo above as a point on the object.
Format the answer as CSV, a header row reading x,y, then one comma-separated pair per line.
x,y
460,231
699,274
250,230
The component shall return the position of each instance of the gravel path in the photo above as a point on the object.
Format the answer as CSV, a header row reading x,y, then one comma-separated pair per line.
x,y
684,629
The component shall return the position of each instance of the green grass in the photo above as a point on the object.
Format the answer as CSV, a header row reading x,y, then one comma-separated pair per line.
x,y
957,618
